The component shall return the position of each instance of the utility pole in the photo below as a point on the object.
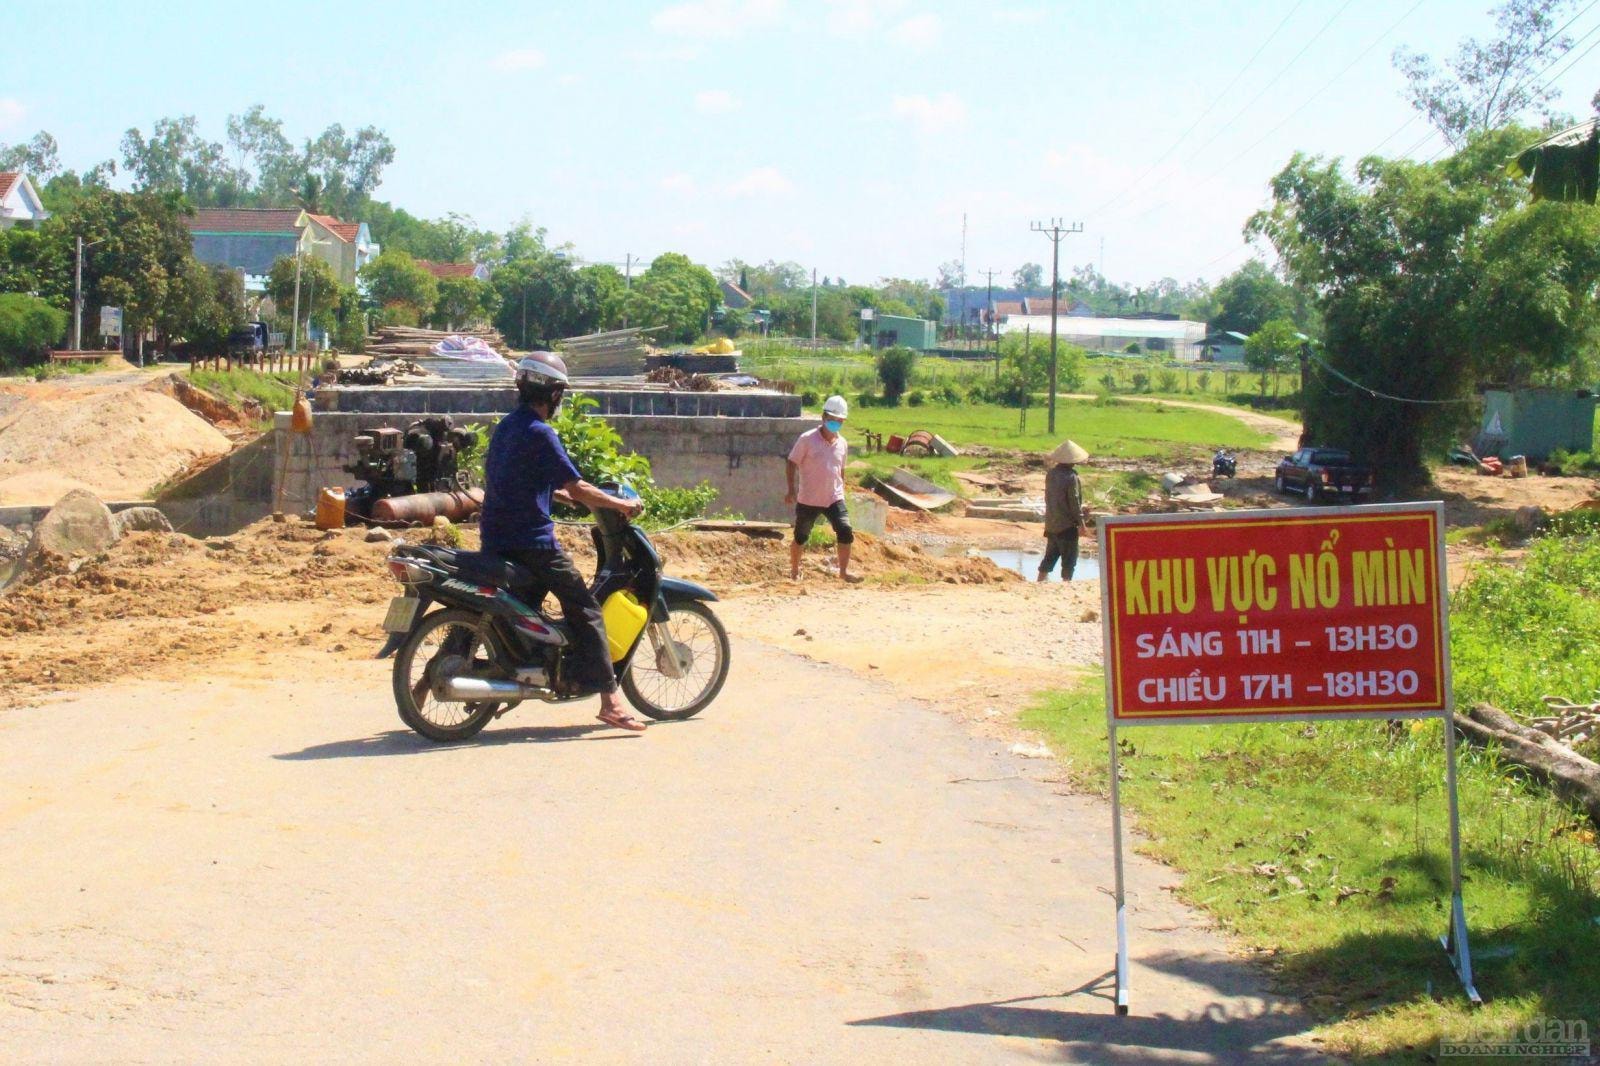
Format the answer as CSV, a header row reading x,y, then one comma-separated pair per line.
x,y
813,309
627,284
77,294
77,301
988,321
294,328
963,276
1055,230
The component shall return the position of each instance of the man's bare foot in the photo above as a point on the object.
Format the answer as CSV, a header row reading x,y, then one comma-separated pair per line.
x,y
850,579
794,575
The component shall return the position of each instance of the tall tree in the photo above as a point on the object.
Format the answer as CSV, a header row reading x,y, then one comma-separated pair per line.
x,y
1251,297
1432,278
395,279
38,158
1489,83
1028,277
174,158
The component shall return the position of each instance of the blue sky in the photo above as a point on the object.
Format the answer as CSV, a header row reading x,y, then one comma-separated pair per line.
x,y
849,135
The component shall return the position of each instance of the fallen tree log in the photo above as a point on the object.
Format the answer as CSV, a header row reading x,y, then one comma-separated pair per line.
x,y
1553,764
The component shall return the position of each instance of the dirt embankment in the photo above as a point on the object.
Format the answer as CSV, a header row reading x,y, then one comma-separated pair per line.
x,y
118,441
165,605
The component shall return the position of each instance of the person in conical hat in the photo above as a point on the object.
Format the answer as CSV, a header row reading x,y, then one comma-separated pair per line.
x,y
1065,517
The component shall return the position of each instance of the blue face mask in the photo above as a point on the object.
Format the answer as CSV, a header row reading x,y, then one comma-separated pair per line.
x,y
834,425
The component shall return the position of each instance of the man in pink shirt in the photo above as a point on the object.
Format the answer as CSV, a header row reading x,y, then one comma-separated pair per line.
x,y
816,486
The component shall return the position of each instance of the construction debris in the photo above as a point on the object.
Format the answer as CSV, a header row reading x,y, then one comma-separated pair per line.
x,y
677,379
397,341
905,489
616,353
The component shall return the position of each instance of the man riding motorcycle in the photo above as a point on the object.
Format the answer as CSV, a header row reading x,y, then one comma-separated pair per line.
x,y
526,466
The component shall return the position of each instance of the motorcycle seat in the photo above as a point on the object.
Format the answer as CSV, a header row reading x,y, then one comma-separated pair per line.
x,y
488,569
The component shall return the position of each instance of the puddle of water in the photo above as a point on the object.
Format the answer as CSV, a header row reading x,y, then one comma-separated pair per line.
x,y
1027,562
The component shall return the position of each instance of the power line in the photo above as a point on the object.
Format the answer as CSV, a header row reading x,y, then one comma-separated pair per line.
x,y
1353,383
1209,107
1432,133
1224,168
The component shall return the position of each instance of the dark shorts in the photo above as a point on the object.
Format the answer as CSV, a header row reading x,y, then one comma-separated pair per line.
x,y
805,516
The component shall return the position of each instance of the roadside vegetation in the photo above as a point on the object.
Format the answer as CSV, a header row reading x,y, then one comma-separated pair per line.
x,y
1105,427
1324,845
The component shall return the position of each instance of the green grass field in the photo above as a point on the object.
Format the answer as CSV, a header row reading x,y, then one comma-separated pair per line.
x,y
1325,846
1107,429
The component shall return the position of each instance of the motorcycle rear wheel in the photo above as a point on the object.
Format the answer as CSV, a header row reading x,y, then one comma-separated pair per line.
x,y
456,634
699,636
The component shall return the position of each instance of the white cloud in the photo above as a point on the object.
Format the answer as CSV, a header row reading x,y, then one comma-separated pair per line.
x,y
717,18
852,18
715,102
680,183
11,112
918,31
762,181
931,115
517,59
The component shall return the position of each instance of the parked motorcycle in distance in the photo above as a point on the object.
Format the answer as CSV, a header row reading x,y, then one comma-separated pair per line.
x,y
489,646
1223,464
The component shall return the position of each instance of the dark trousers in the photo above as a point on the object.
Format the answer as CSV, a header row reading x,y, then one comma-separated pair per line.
x,y
838,516
589,657
1062,546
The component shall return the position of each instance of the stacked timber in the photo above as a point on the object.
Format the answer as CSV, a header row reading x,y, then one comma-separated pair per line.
x,y
617,353
411,341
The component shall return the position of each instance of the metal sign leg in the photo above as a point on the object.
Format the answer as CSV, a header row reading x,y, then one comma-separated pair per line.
x,y
1122,903
1455,939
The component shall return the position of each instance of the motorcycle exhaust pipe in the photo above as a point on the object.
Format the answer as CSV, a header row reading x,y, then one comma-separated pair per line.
x,y
485,690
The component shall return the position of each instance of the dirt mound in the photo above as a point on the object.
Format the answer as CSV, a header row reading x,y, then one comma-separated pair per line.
x,y
160,604
119,443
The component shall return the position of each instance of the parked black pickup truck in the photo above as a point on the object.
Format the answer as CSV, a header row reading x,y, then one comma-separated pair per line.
x,y
1323,473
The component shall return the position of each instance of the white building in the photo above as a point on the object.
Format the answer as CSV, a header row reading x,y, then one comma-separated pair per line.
x,y
1179,338
19,201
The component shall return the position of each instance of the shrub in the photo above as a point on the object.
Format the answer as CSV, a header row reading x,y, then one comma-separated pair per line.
x,y
1140,380
867,399
1203,379
668,507
950,394
28,326
1133,348
916,398
1167,381
810,398
895,366
1108,381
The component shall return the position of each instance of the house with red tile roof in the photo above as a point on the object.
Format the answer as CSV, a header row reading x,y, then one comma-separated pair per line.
x,y
251,239
347,246
19,201
455,270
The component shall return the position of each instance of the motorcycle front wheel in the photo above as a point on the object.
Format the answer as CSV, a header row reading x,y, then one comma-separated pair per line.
x,y
445,642
680,664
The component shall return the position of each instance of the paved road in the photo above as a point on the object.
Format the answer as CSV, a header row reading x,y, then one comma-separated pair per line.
x,y
232,870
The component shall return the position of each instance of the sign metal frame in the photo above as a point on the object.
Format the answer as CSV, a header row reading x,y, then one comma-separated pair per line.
x,y
1454,941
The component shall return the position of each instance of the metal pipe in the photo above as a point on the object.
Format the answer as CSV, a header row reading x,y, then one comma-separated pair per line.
x,y
424,507
484,690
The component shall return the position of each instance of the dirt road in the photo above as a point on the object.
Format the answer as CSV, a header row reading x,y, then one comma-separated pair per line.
x,y
263,867
1285,432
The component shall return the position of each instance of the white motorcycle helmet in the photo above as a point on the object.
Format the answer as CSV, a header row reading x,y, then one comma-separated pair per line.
x,y
541,378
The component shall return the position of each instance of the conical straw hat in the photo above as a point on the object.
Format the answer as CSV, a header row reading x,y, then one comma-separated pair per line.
x,y
1068,452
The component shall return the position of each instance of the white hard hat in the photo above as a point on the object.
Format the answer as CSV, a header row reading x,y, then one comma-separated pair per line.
x,y
836,407
542,368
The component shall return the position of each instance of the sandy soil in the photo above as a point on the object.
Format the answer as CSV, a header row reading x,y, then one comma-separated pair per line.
x,y
108,432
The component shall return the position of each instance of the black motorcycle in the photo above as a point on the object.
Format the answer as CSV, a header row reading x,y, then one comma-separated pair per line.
x,y
490,645
1223,464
